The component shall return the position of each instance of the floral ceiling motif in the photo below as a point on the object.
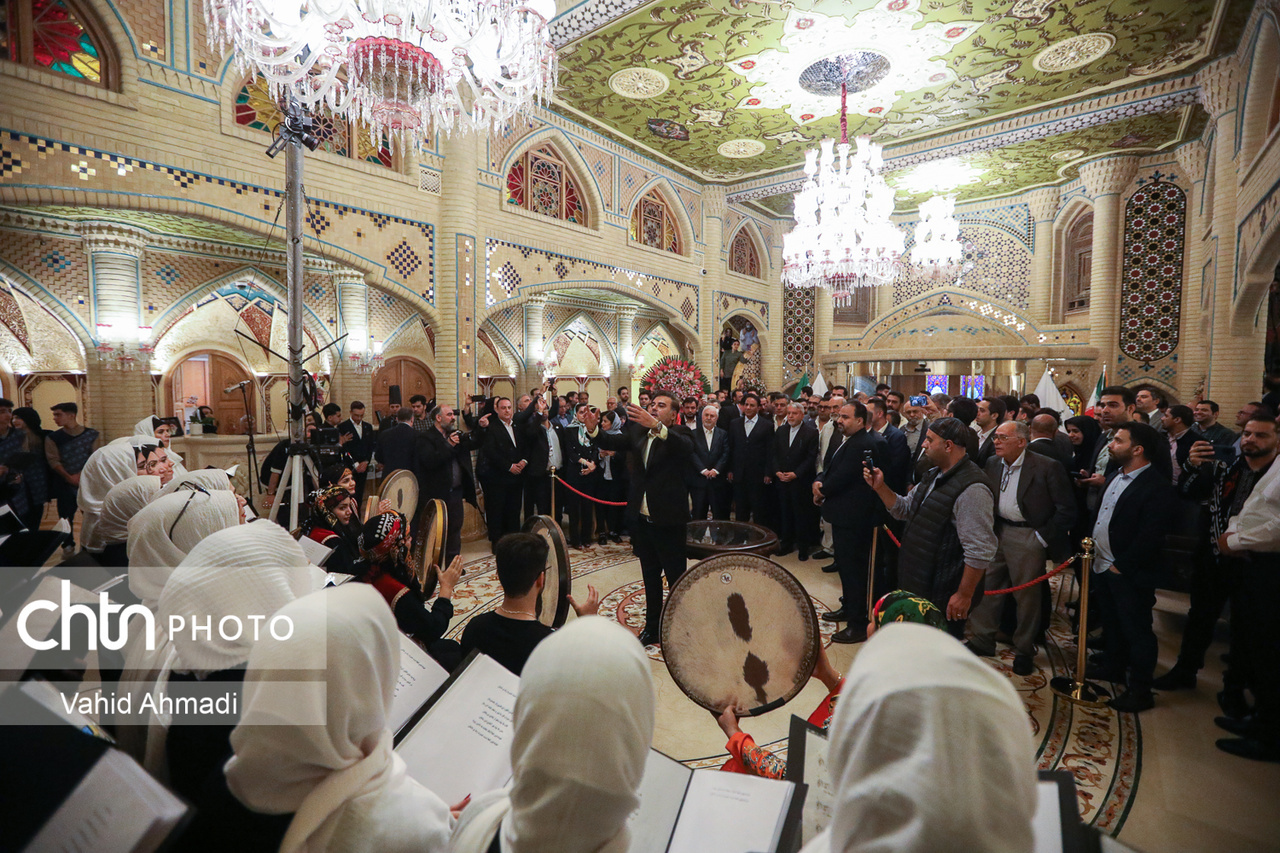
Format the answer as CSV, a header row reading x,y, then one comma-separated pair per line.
x,y
733,68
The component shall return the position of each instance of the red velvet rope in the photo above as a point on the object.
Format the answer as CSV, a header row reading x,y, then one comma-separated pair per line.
x,y
588,497
1017,588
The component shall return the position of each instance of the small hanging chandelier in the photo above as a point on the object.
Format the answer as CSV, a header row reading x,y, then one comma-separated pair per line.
x,y
938,244
401,67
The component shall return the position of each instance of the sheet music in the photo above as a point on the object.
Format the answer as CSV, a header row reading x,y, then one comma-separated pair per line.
x,y
1047,824
316,553
820,802
462,745
731,813
661,793
420,676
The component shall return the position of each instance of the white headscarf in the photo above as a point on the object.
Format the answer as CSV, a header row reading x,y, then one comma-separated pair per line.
x,y
583,724
250,569
121,504
213,479
159,540
321,749
141,438
108,466
930,750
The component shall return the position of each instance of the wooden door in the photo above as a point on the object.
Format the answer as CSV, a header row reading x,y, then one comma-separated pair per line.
x,y
411,375
229,408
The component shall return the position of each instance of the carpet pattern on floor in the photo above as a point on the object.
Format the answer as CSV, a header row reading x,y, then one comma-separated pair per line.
x,y
1101,748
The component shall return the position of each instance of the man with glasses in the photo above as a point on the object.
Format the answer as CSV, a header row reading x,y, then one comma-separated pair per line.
x,y
1035,508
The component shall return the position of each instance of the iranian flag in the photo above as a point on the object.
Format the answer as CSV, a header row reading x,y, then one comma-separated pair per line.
x,y
1097,392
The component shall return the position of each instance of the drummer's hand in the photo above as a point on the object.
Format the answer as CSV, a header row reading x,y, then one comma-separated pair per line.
x,y
589,607
384,505
641,416
455,811
728,721
825,672
449,577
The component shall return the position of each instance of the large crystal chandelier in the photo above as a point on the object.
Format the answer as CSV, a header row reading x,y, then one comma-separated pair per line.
x,y
401,67
844,236
938,236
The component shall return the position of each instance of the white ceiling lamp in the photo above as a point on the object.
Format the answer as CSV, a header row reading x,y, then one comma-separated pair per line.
x,y
402,67
938,244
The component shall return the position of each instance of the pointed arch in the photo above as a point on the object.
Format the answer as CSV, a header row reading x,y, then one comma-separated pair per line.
x,y
757,322
1260,92
748,231
606,345
66,38
55,306
664,193
593,204
669,333
501,347
1069,221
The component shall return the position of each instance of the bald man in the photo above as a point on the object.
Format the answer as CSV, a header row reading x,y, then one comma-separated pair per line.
x,y
1043,430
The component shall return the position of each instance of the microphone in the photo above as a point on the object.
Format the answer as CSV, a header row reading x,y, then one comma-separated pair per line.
x,y
237,386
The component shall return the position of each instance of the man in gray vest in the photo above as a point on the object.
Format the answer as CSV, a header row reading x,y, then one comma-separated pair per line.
x,y
950,539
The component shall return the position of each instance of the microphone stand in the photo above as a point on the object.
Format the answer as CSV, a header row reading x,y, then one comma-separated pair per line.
x,y
251,448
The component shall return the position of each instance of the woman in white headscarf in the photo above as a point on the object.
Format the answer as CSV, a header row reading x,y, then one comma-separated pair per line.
x,y
240,573
930,750
108,466
320,750
160,537
159,432
213,479
123,502
583,724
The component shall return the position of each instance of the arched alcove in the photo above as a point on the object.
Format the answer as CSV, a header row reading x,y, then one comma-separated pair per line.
x,y
210,377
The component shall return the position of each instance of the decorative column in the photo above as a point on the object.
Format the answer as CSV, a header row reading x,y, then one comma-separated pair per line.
x,y
534,312
1193,349
116,398
1105,180
457,283
626,349
715,278
1044,209
353,321
1234,361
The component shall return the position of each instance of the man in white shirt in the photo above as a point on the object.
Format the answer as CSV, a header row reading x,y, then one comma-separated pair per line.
x,y
990,413
826,428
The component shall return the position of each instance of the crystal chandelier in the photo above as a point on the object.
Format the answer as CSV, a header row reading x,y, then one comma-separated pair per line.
x,y
402,67
938,237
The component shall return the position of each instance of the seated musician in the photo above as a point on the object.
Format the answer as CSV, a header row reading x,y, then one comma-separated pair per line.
x,y
334,523
510,633
746,757
385,567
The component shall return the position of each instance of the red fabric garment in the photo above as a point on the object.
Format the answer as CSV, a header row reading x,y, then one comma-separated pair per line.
x,y
746,757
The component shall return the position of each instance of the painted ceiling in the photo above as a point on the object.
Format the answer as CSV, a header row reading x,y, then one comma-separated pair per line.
x,y
727,89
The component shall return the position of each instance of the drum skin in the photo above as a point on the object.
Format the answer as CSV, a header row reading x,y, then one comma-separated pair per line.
x,y
738,629
428,551
552,608
401,488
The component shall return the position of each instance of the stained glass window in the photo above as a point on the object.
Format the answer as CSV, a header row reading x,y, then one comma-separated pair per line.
x,y
973,387
743,257
255,108
56,35
937,383
653,224
539,181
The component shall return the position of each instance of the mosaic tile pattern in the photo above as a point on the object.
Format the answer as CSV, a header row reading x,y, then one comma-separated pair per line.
x,y
1155,219
510,322
600,162
1013,219
995,264
798,321
12,319
60,265
531,266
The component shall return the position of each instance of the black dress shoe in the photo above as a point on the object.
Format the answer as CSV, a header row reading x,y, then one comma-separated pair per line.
x,y
851,634
1177,678
649,638
822,554
979,652
1023,665
1131,702
1233,703
835,615
1240,726
804,555
1096,672
603,540
830,568
1252,748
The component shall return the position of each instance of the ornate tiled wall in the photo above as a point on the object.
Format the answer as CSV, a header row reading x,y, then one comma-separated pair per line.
x,y
1155,219
798,320
59,264
996,264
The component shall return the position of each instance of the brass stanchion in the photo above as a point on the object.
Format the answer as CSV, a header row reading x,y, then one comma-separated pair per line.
x,y
871,571
553,492
1078,690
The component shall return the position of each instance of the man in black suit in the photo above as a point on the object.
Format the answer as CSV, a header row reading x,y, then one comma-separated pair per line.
x,y
852,509
709,486
501,471
991,412
897,471
444,469
795,464
658,506
1043,429
750,446
1136,512
729,411
1035,508
1114,409
583,472
545,446
1179,436
360,444
397,444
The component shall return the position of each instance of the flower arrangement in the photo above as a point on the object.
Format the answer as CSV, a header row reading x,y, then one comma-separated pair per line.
x,y
682,378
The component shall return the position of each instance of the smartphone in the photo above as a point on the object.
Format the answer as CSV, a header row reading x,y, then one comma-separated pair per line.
x,y
1081,475
868,460
1225,453
918,400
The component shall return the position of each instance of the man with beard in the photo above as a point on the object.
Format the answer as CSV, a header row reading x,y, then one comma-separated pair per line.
x,y
444,469
335,523
1115,409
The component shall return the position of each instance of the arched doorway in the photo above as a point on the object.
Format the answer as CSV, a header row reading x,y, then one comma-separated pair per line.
x,y
201,379
411,375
